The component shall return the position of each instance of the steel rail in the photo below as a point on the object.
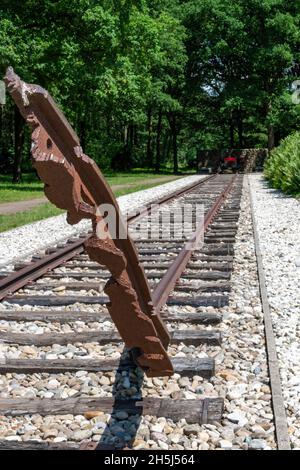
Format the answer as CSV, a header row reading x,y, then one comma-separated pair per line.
x,y
143,212
167,283
38,268
280,419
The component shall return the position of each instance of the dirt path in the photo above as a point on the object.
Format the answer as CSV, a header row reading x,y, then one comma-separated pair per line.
x,y
20,206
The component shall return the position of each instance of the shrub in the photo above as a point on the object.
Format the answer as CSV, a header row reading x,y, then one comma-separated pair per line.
x,y
282,168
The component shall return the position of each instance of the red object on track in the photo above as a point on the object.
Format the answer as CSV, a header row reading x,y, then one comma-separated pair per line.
x,y
230,160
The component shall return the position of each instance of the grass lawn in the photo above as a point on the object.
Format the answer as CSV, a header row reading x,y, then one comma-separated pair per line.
x,y
32,188
123,183
9,221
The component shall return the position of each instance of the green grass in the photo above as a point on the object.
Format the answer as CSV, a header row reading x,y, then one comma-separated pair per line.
x,y
129,179
43,211
32,188
7,222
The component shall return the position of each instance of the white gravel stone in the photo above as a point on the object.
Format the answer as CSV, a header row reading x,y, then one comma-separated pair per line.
x,y
80,435
237,418
13,438
257,444
53,384
225,444
278,222
159,427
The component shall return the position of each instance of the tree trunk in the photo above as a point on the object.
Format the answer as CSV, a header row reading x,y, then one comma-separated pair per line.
x,y
19,142
231,133
175,153
158,144
166,146
108,125
82,133
277,138
135,135
270,128
131,139
271,138
240,132
1,128
175,149
149,140
174,143
132,135
125,136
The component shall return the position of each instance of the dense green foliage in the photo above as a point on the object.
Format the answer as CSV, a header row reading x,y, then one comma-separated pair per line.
x,y
148,82
282,168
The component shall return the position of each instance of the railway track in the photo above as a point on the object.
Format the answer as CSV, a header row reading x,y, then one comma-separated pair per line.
x,y
62,291
40,264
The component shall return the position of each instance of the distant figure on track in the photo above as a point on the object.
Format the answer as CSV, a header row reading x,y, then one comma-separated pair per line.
x,y
228,163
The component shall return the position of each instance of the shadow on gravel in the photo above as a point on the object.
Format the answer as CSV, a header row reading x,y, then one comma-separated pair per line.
x,y
277,193
121,430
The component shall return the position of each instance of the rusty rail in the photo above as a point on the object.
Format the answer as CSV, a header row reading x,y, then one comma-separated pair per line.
x,y
167,283
33,271
139,213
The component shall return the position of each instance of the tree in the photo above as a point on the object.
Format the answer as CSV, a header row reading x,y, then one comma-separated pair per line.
x,y
238,59
148,83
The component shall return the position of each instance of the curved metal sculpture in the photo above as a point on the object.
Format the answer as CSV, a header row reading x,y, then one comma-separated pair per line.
x,y
74,182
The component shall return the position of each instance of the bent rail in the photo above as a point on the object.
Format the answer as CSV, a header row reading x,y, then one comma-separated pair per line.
x,y
74,182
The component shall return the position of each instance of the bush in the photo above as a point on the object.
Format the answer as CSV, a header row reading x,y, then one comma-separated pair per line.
x,y
282,168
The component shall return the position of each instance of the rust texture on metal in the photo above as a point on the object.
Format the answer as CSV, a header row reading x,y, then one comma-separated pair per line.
x,y
74,182
32,271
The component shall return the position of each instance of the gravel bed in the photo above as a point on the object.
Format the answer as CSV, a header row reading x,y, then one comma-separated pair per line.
x,y
278,223
30,238
56,351
65,308
90,350
40,327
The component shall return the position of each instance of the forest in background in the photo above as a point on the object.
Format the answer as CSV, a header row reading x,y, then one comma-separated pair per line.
x,y
149,83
